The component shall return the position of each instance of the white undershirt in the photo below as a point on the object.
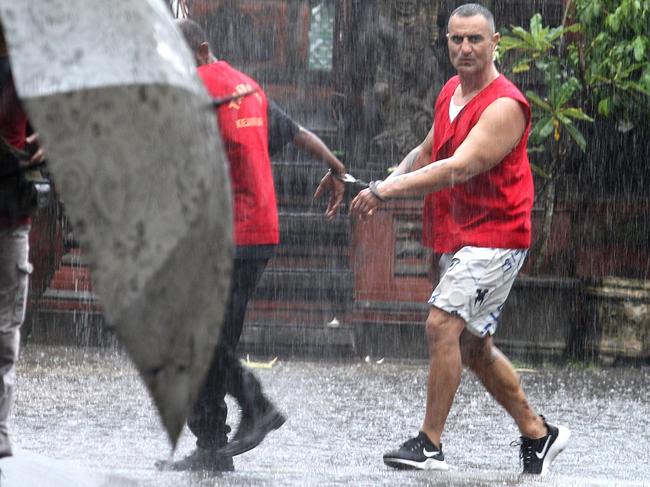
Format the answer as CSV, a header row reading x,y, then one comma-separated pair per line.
x,y
454,109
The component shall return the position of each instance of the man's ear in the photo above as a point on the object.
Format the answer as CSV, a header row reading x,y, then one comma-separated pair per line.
x,y
203,53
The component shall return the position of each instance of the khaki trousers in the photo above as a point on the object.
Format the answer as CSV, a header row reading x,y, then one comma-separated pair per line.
x,y
14,272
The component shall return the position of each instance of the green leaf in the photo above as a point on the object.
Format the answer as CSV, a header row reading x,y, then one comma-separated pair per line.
x,y
613,22
577,27
535,25
566,91
604,107
535,98
524,35
544,127
639,48
576,135
521,67
508,43
577,114
564,120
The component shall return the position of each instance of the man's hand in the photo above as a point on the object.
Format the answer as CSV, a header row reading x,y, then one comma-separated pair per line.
x,y
330,183
38,155
365,203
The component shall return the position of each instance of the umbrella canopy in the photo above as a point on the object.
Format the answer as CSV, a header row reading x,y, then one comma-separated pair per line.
x,y
112,90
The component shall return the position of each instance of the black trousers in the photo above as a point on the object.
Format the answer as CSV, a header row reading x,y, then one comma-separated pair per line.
x,y
226,374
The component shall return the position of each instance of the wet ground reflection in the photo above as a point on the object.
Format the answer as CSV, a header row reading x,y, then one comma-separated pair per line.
x,y
89,408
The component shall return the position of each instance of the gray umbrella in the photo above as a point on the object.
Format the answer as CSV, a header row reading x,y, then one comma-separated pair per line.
x,y
112,90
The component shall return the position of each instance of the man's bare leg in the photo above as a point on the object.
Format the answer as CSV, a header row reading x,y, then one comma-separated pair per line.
x,y
445,368
501,380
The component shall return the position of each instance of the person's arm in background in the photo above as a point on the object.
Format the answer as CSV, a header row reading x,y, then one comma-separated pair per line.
x,y
283,129
312,143
331,182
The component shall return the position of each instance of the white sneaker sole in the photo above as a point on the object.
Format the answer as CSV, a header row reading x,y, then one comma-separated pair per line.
x,y
429,464
557,447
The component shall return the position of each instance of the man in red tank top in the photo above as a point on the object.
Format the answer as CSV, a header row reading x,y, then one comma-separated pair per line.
x,y
473,170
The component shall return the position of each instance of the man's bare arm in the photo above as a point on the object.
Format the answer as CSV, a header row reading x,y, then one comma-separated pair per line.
x,y
496,134
417,158
310,142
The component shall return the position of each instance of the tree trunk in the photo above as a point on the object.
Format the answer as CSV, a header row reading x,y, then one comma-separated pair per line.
x,y
548,205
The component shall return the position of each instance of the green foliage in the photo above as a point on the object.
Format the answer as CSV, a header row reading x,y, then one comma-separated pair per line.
x,y
614,49
558,107
533,45
599,62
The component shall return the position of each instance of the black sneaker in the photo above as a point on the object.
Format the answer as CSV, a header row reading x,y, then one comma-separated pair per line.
x,y
537,455
5,446
252,430
417,453
200,459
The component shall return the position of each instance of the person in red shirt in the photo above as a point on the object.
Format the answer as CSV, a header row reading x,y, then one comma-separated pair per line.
x,y
14,238
245,130
474,171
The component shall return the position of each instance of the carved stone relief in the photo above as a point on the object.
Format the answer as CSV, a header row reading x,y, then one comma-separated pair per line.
x,y
397,79
134,150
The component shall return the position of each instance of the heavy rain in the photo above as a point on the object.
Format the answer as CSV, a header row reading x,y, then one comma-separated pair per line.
x,y
197,315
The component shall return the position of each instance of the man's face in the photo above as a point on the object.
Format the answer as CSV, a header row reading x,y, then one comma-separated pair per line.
x,y
471,44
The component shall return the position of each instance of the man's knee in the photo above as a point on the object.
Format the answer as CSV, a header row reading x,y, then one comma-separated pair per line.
x,y
442,327
475,351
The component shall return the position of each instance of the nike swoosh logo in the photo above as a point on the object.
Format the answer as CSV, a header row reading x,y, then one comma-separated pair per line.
x,y
541,454
428,453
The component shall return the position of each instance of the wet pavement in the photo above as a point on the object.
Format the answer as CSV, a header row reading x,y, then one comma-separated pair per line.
x,y
83,417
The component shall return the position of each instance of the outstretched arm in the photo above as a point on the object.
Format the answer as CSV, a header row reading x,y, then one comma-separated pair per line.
x,y
495,135
417,158
310,142
283,129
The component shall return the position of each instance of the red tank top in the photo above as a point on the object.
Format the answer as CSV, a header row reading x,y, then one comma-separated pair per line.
x,y
244,130
493,209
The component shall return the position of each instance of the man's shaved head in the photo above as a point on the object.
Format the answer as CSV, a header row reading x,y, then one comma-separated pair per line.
x,y
471,9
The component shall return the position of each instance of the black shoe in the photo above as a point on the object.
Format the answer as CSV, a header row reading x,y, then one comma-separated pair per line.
x,y
417,453
200,459
537,455
5,446
252,430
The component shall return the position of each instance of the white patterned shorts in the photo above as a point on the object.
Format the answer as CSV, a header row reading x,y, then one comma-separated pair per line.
x,y
475,283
